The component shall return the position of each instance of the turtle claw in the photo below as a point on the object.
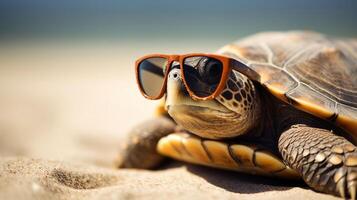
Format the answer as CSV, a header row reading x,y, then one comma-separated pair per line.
x,y
341,187
345,180
353,192
352,184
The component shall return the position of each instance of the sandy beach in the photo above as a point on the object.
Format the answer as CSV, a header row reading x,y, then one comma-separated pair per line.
x,y
64,111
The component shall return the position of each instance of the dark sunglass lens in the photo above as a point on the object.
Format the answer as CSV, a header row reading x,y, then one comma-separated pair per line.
x,y
151,75
202,74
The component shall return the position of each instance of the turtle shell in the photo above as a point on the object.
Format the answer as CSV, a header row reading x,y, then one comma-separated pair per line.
x,y
312,72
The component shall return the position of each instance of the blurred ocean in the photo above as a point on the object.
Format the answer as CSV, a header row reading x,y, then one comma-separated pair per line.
x,y
163,20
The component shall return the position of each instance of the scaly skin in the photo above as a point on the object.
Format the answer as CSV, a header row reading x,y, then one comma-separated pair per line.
x,y
326,162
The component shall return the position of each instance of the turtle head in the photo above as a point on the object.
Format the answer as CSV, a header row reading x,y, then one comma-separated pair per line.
x,y
234,112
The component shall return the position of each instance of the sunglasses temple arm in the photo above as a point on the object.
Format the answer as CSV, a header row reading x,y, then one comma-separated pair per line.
x,y
245,69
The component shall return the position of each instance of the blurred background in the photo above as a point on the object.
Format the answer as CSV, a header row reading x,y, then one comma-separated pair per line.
x,y
67,87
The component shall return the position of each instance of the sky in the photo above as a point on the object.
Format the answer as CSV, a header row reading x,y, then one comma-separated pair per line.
x,y
135,20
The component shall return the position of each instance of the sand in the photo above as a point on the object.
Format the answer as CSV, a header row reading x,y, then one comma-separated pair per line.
x,y
63,114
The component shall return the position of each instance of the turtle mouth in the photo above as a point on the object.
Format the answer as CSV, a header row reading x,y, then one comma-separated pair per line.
x,y
200,108
205,121
212,105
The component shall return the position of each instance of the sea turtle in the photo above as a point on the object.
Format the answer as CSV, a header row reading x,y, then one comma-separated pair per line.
x,y
296,119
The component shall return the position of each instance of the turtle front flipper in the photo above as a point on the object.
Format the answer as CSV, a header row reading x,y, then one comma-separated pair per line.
x,y
327,162
219,154
138,150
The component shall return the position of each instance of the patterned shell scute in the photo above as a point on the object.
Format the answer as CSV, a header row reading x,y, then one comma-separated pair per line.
x,y
311,71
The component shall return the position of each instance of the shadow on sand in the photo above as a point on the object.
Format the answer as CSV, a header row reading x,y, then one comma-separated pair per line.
x,y
237,182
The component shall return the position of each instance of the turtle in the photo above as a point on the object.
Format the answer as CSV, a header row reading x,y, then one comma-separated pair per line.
x,y
297,119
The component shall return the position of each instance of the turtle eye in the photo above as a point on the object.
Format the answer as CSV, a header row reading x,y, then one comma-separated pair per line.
x,y
211,71
202,74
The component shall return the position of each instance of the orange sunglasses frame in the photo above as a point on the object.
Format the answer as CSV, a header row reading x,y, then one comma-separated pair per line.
x,y
228,65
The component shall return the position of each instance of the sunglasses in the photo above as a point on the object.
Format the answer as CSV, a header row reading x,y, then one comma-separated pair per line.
x,y
152,72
